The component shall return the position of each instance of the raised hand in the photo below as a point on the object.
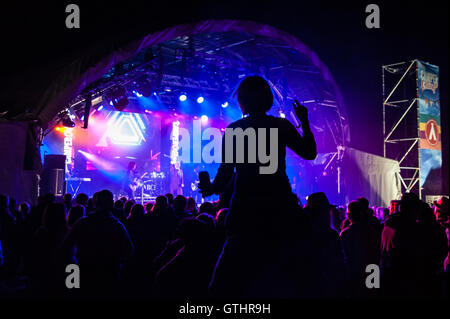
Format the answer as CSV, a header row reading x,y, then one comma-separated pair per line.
x,y
301,112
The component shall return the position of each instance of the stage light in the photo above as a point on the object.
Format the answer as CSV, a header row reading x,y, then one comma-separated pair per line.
x,y
183,97
204,119
282,115
119,98
120,104
137,94
100,108
142,87
67,122
225,104
200,100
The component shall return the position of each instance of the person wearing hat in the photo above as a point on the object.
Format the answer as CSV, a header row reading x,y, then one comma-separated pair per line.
x,y
361,248
329,256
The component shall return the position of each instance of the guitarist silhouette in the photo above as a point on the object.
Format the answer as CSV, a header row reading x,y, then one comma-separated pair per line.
x,y
132,181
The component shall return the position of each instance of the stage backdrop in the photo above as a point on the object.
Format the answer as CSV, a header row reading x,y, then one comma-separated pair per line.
x,y
429,128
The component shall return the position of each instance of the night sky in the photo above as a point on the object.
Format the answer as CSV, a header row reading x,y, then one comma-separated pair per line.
x,y
35,43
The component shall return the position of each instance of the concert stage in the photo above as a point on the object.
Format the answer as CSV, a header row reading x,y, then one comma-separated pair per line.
x,y
158,101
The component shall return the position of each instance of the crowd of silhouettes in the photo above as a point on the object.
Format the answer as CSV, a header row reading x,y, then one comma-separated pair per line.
x,y
257,241
171,251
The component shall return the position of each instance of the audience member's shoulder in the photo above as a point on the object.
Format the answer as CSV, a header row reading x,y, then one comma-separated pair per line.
x,y
283,123
237,123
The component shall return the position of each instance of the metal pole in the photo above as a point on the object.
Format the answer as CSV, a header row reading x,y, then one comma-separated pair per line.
x,y
401,79
384,112
400,120
418,128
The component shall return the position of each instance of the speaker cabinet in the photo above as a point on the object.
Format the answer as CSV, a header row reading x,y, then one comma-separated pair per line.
x,y
53,175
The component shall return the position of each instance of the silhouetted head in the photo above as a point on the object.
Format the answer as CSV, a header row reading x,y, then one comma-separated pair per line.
x,y
364,202
82,199
75,213
254,95
179,203
123,199
318,201
160,203
67,198
319,209
118,204
128,205
104,200
137,211
410,205
355,211
208,208
191,204
148,207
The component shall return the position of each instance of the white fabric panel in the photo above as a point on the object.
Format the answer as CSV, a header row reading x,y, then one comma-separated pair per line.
x,y
371,176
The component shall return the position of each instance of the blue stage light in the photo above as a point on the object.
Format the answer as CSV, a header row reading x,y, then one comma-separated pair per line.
x,y
183,97
204,119
200,99
137,94
225,104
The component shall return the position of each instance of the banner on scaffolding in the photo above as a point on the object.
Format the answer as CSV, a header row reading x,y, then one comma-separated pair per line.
x,y
429,127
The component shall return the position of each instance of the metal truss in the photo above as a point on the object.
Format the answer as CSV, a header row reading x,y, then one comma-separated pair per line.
x,y
400,122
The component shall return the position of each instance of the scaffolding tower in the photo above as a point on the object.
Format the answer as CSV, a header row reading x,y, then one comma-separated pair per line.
x,y
401,122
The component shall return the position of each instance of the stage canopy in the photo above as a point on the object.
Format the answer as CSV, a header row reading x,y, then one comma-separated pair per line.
x,y
209,58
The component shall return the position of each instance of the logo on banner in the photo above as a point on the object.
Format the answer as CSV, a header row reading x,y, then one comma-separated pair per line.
x,y
431,132
429,81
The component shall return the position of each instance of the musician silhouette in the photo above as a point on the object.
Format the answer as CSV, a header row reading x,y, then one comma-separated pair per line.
x,y
176,179
129,185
